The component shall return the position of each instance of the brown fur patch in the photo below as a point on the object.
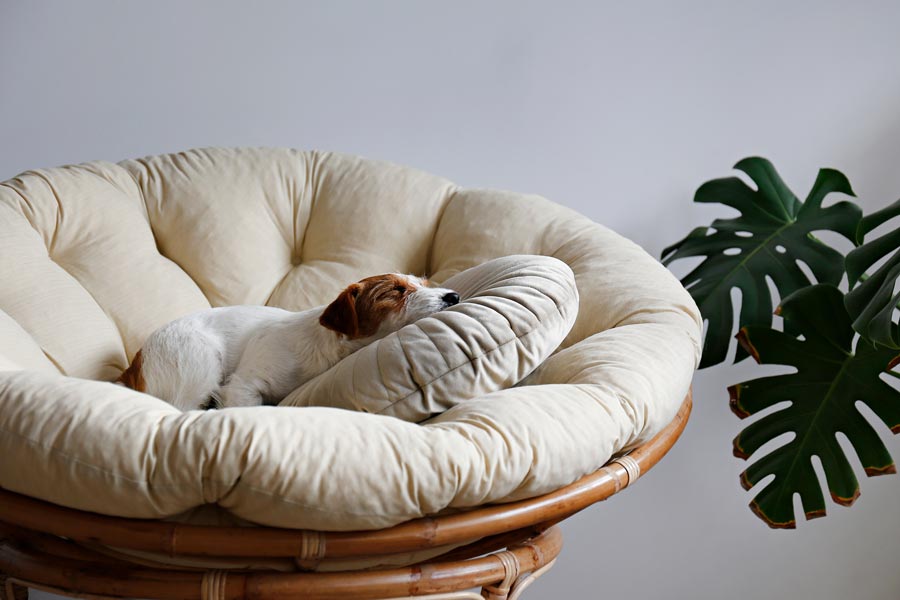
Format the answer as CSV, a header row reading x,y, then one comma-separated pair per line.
x,y
360,309
132,376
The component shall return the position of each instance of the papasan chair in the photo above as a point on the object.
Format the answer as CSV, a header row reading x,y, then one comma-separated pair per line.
x,y
105,491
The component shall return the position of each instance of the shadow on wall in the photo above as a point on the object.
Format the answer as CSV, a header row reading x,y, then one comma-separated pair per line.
x,y
872,155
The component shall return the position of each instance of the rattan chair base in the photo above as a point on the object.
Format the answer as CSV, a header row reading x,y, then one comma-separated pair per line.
x,y
501,548
76,571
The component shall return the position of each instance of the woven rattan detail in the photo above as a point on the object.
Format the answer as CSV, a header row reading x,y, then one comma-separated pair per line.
x,y
511,569
632,467
312,549
212,586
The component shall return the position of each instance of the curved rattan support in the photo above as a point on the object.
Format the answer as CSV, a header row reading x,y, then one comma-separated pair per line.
x,y
73,576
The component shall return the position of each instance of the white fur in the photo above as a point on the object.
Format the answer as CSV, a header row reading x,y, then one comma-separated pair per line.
x,y
253,355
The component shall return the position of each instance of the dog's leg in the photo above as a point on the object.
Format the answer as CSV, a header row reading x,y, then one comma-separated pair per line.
x,y
240,391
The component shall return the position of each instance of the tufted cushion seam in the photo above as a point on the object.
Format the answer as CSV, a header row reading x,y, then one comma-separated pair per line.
x,y
59,261
59,210
277,286
559,307
297,253
102,308
452,190
409,362
516,340
140,191
151,225
25,216
111,319
313,182
51,359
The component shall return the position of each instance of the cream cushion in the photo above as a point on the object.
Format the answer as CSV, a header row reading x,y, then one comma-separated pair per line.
x,y
95,257
515,311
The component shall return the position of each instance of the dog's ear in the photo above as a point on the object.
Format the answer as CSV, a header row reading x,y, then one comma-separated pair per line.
x,y
341,315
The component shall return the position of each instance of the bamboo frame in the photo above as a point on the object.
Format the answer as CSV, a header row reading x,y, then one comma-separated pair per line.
x,y
43,545
67,575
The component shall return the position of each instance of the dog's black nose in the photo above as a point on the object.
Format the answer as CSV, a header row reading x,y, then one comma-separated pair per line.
x,y
451,298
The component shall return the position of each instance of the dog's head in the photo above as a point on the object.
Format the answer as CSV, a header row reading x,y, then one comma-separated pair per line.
x,y
379,305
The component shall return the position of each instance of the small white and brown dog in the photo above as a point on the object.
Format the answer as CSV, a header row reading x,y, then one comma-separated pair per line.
x,y
252,355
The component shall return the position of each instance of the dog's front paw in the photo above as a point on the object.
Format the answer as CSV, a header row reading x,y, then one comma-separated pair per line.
x,y
239,393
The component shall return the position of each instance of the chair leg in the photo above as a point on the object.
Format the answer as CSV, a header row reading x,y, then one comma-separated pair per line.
x,y
11,591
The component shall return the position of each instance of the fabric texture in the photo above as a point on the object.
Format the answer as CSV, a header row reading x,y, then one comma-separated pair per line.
x,y
515,311
95,257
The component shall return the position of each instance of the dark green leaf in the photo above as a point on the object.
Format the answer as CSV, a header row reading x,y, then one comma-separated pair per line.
x,y
831,377
870,222
772,233
872,302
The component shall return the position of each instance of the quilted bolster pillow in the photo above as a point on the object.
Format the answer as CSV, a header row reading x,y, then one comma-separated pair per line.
x,y
515,311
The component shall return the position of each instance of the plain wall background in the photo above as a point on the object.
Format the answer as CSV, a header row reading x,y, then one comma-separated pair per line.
x,y
619,110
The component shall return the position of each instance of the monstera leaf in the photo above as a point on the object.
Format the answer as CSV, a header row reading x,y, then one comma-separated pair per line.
x,y
773,232
872,302
831,377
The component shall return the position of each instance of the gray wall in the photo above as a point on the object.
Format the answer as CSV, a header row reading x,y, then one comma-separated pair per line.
x,y
618,111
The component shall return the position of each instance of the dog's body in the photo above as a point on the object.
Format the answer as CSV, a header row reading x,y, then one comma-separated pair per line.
x,y
252,355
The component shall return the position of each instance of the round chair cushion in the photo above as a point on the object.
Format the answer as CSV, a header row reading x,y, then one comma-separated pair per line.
x,y
95,257
515,311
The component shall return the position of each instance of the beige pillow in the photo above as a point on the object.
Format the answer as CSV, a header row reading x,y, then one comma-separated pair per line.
x,y
515,311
